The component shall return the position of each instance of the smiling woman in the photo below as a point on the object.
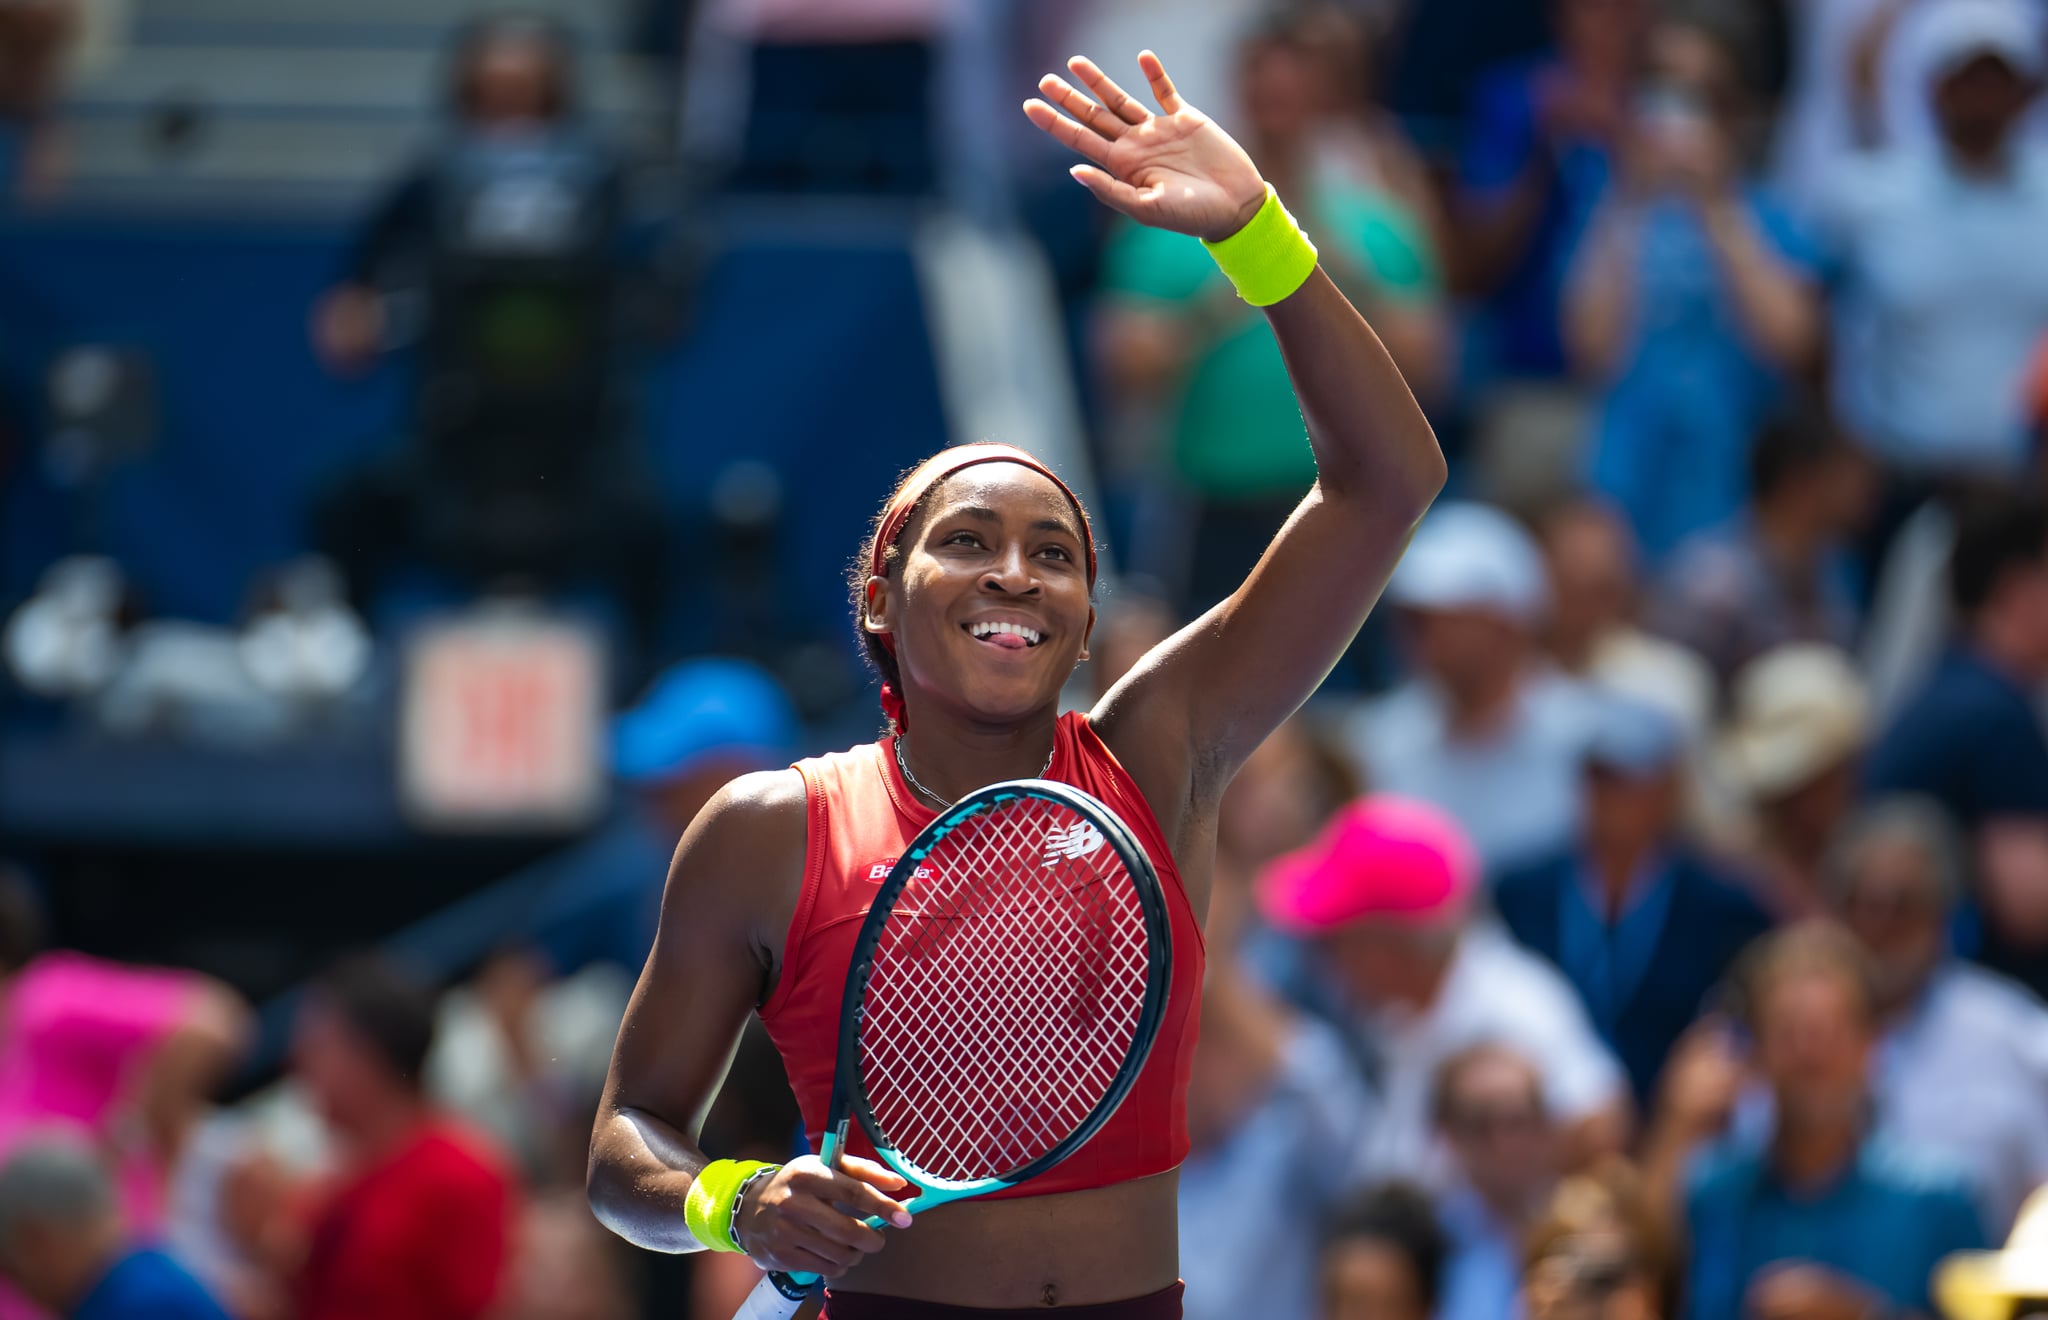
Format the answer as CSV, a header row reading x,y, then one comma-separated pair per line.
x,y
973,597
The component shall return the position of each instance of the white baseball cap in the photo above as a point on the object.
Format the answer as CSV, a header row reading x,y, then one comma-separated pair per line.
x,y
1949,34
1470,556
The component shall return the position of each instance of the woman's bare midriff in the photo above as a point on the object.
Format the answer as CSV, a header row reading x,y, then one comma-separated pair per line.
x,y
1073,1249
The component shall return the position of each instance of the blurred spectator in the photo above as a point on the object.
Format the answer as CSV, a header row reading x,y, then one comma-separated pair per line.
x,y
1692,299
1489,1109
1536,161
1825,1219
1777,571
522,1053
1598,1252
1360,138
1963,1063
1640,923
1995,1285
1173,330
1384,894
1792,755
1382,1259
1481,730
565,1267
1910,615
1972,738
1276,1110
699,724
63,1245
1594,582
127,1057
1943,295
1594,634
418,1221
505,251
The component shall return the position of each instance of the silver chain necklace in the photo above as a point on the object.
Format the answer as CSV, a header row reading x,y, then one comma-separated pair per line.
x,y
911,779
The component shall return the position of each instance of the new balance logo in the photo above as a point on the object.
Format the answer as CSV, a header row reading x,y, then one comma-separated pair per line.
x,y
1072,842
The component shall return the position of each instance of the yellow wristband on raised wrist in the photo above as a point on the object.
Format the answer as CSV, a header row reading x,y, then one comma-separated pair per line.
x,y
1269,258
714,1196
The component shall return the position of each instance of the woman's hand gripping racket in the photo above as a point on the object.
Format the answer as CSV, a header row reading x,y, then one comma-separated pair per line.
x,y
1006,987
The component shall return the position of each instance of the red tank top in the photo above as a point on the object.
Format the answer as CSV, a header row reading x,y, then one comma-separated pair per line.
x,y
862,817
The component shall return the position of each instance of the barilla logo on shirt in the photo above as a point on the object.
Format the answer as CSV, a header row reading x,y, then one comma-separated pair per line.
x,y
880,871
1071,842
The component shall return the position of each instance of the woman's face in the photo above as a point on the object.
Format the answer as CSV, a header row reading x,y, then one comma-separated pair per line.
x,y
989,603
1368,1279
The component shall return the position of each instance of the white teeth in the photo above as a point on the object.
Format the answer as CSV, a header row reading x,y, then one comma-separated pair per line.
x,y
1031,635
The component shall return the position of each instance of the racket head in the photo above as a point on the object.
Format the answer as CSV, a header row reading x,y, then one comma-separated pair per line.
x,y
939,1034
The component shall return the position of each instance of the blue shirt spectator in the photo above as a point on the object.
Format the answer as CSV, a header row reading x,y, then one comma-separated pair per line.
x,y
1517,158
147,1285
1885,1223
1689,385
1645,969
1641,927
1817,1217
1249,1205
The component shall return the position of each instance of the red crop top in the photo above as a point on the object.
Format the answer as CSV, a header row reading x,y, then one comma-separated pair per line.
x,y
862,817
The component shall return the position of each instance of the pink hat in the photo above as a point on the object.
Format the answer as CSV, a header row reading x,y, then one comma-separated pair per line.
x,y
1387,857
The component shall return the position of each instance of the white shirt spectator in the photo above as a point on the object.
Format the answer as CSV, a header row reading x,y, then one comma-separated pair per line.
x,y
1516,793
1966,1078
1818,131
1495,991
1943,300
1250,1208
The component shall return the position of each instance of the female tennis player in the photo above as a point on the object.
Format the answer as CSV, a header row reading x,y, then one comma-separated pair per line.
x,y
974,601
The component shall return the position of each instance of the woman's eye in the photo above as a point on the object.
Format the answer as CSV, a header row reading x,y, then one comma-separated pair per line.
x,y
963,538
1057,552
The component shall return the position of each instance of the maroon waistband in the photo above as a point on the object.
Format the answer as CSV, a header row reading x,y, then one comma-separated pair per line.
x,y
1162,1305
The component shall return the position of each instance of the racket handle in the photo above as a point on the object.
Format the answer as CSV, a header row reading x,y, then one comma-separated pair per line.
x,y
770,1301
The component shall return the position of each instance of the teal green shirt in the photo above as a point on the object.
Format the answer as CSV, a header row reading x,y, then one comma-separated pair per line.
x,y
1237,431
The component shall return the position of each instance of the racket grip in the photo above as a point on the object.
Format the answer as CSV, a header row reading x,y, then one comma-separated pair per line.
x,y
770,1301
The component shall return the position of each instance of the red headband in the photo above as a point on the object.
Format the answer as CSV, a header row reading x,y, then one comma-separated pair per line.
x,y
915,487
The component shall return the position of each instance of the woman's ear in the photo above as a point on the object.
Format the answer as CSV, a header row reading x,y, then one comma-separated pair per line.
x,y
877,613
1087,634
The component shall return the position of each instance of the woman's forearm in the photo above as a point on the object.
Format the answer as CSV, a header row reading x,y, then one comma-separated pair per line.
x,y
1776,307
1600,302
1370,437
641,1171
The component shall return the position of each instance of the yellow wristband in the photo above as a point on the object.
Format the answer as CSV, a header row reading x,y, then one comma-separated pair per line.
x,y
714,1196
1269,258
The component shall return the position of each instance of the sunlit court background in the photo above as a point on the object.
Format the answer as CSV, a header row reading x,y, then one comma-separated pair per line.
x,y
432,442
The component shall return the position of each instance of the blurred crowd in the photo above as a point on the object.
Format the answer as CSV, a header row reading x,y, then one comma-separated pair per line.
x,y
1650,918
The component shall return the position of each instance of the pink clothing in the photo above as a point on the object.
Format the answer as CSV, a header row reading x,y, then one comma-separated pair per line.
x,y
75,1035
1382,856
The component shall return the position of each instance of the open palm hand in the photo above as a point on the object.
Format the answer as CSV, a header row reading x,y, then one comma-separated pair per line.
x,y
1171,170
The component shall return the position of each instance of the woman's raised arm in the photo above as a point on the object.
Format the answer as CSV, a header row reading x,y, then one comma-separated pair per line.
x,y
1210,695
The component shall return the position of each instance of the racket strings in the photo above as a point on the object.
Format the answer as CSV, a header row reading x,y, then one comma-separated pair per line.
x,y
1005,994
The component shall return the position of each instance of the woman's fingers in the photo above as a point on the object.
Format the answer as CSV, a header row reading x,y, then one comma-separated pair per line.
x,y
1069,98
860,1197
868,1171
1120,102
1162,86
1092,145
1111,190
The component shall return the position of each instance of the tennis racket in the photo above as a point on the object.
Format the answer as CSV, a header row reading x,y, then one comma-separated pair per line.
x,y
1004,992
